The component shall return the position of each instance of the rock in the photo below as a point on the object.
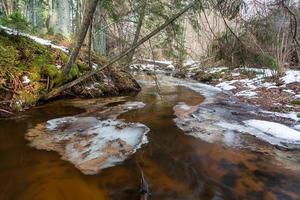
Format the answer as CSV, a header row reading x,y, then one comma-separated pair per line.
x,y
111,82
203,77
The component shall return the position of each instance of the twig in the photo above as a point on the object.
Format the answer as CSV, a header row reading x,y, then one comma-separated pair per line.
x,y
5,111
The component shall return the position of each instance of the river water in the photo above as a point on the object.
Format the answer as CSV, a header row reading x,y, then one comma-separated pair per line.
x,y
175,165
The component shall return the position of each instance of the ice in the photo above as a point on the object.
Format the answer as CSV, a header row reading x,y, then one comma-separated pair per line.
x,y
291,76
275,129
89,143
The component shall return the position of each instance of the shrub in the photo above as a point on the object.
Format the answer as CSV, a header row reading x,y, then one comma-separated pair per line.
x,y
16,21
269,61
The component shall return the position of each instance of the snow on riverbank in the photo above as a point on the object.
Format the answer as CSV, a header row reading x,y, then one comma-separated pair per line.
x,y
36,39
222,119
275,130
291,76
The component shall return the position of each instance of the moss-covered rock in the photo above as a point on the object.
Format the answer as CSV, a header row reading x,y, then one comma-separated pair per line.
x,y
203,77
111,82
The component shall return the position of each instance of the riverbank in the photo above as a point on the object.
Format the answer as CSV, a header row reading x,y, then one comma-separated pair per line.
x,y
31,67
263,88
225,116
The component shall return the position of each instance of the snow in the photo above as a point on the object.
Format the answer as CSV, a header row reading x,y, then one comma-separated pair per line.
x,y
289,91
227,85
246,93
297,96
291,76
95,66
275,129
170,68
36,39
260,72
191,63
163,62
217,69
235,74
25,80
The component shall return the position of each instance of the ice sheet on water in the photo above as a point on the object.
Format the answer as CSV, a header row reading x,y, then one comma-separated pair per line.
x,y
89,143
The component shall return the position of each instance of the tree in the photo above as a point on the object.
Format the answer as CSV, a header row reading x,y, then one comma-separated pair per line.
x,y
89,13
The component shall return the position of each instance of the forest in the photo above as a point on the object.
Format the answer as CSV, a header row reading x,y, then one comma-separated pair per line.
x,y
141,99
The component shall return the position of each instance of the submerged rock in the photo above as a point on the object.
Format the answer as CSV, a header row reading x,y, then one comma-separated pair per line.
x,y
90,144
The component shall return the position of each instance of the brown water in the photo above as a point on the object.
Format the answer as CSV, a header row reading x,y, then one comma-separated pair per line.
x,y
175,165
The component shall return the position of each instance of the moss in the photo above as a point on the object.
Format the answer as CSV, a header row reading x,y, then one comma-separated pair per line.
x,y
295,102
298,115
82,66
74,73
29,98
50,71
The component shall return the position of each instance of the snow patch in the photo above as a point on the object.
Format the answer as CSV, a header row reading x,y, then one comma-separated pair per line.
x,y
217,69
275,130
227,85
36,39
246,93
291,76
25,80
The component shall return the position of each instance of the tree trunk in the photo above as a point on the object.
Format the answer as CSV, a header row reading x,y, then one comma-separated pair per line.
x,y
89,12
90,43
56,91
49,22
99,33
138,31
33,7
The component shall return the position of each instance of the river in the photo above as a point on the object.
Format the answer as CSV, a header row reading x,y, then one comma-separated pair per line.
x,y
176,166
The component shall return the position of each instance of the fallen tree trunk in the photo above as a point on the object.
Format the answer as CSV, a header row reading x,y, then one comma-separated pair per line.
x,y
57,91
